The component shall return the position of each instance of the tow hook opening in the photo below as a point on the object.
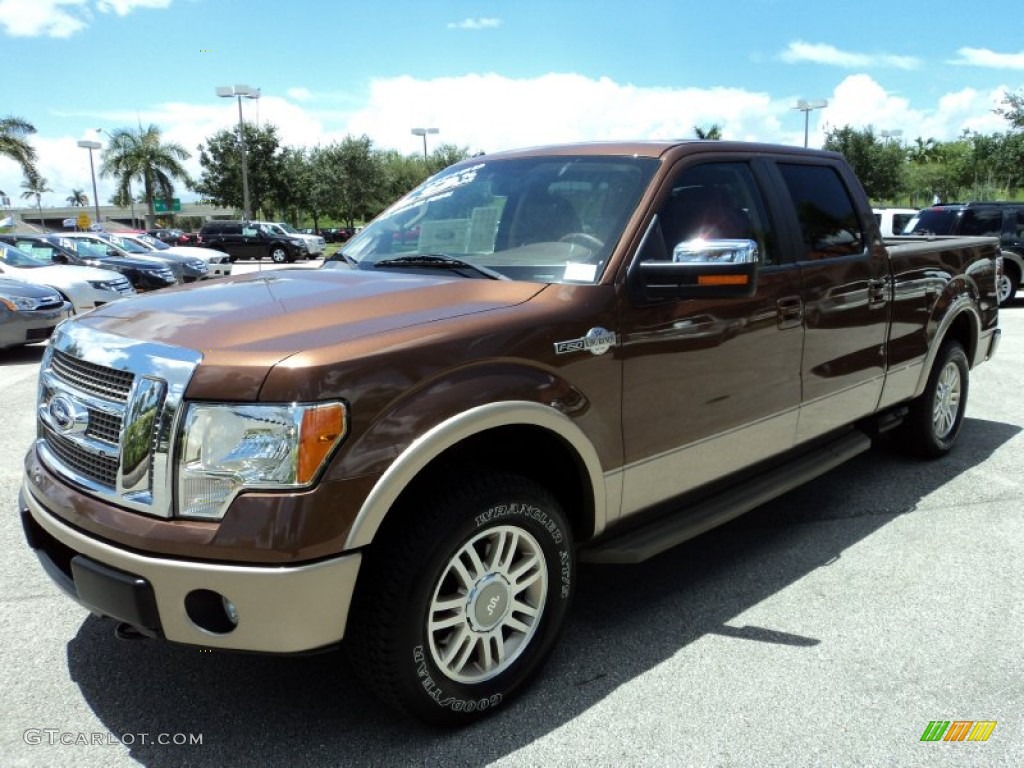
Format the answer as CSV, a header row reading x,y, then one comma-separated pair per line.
x,y
211,611
125,631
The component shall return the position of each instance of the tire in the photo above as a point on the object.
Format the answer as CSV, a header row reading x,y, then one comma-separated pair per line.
x,y
278,255
1006,288
934,421
457,609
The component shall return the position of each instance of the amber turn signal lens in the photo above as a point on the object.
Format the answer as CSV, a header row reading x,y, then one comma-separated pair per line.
x,y
322,427
723,280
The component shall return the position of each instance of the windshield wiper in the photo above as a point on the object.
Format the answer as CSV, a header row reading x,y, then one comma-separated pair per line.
x,y
439,261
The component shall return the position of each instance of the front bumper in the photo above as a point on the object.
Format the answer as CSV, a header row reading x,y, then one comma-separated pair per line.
x,y
280,609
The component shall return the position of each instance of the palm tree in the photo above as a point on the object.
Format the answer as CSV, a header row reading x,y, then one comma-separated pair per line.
x,y
712,133
77,197
139,154
14,145
36,186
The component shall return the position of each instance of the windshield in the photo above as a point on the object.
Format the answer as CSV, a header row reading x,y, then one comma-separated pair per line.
x,y
932,221
154,242
128,245
541,219
39,249
13,257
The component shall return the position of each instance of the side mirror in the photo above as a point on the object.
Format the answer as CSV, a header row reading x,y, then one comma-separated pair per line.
x,y
700,269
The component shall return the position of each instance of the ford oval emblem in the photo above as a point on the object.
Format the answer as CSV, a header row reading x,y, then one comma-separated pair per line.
x,y
67,416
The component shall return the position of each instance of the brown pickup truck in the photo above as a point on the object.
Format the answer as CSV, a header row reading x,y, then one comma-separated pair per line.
x,y
588,352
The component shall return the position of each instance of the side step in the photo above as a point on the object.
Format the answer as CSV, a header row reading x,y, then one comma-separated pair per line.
x,y
638,545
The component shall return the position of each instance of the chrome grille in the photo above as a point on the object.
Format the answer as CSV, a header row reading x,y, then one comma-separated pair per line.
x,y
106,424
95,379
99,469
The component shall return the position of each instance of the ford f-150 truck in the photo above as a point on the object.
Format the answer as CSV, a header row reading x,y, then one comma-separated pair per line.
x,y
574,353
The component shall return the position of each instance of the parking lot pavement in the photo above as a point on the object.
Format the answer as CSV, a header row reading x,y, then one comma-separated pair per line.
x,y
829,627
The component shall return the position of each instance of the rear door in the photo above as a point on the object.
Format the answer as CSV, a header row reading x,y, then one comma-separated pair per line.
x,y
845,291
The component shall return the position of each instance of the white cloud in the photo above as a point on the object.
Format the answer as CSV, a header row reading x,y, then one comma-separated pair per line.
x,y
491,112
475,24
299,94
124,7
822,53
983,57
49,18
62,18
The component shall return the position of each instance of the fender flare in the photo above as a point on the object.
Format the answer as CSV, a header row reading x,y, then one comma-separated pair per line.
x,y
444,435
962,304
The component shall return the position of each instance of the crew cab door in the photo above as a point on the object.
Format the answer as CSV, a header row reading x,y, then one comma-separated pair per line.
x,y
710,385
845,291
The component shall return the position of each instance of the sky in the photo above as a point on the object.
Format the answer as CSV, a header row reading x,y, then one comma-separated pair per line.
x,y
495,74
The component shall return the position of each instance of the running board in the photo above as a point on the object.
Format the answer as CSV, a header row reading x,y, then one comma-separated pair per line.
x,y
638,545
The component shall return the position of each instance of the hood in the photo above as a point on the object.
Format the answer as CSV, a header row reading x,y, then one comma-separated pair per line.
x,y
259,319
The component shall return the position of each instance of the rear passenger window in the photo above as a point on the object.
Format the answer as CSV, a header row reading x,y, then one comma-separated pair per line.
x,y
828,218
982,223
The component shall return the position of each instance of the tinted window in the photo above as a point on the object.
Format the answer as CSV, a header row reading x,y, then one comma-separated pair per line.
x,y
982,222
828,218
933,221
716,201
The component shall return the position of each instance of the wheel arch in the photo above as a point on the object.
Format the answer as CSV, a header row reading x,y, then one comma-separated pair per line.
x,y
962,323
557,455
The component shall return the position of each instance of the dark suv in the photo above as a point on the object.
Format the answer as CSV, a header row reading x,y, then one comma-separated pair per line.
x,y
246,240
1004,220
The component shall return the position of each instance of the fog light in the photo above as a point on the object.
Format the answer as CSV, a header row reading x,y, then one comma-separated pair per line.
x,y
211,611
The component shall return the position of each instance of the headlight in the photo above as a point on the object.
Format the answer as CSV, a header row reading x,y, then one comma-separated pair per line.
x,y
103,285
228,448
20,303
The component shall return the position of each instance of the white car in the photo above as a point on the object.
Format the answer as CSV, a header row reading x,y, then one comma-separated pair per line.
x,y
85,287
218,262
891,221
315,245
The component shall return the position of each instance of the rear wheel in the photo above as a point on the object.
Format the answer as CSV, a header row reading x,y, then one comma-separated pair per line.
x,y
278,255
460,605
1008,284
935,417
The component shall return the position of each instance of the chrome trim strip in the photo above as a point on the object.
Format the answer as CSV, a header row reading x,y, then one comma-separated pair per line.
x,y
446,434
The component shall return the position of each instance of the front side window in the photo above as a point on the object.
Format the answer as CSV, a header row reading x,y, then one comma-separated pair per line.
x,y
539,219
828,218
716,201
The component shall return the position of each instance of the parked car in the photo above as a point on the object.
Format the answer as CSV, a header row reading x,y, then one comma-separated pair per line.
x,y
337,234
85,287
192,267
29,313
145,274
315,244
249,240
1004,220
218,263
891,221
172,236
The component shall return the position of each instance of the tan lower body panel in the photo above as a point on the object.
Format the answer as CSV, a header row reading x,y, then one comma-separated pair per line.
x,y
280,610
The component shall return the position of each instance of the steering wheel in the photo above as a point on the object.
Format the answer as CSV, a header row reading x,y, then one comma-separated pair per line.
x,y
582,238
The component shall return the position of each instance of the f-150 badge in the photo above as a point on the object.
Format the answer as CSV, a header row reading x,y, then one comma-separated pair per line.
x,y
597,342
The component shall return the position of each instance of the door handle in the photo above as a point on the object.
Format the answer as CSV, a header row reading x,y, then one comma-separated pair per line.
x,y
878,292
789,312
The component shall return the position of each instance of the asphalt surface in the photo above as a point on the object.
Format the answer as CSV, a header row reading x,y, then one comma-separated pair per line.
x,y
829,627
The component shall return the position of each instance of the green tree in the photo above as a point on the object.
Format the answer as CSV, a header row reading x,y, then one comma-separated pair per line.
x,y
15,145
77,198
36,186
1012,108
142,155
221,161
714,132
880,165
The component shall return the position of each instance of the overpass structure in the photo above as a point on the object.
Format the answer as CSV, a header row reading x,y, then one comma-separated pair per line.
x,y
116,217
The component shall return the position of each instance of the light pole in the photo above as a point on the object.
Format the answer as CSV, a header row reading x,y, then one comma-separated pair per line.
x,y
806,106
91,145
229,92
423,132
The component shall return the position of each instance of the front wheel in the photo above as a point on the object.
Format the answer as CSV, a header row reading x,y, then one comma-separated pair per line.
x,y
935,417
462,602
1007,286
